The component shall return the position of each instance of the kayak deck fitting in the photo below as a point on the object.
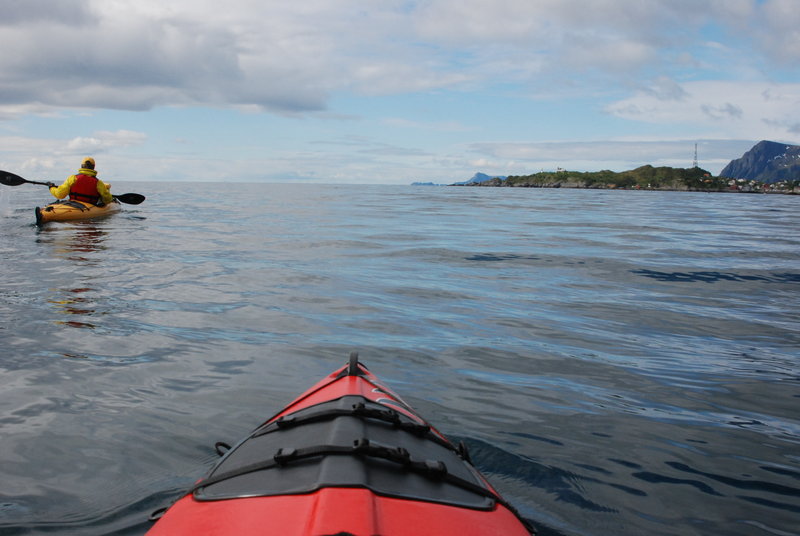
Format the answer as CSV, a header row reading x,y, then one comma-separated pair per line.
x,y
71,210
348,457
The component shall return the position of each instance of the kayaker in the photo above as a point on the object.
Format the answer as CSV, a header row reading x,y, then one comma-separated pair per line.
x,y
84,186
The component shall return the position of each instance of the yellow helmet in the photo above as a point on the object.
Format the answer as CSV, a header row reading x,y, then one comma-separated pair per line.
x,y
87,163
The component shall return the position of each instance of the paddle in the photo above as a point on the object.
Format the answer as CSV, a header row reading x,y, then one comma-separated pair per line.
x,y
10,179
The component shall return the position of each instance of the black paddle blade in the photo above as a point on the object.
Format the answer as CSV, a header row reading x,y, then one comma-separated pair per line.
x,y
130,199
10,179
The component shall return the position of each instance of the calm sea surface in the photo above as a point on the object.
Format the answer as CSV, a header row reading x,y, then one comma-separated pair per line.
x,y
618,363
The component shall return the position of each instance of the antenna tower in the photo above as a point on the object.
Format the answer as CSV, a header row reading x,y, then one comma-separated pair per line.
x,y
694,163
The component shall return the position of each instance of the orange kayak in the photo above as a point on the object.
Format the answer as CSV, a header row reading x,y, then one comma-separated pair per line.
x,y
69,210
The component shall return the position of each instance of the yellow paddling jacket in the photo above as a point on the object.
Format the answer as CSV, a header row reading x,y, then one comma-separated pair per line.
x,y
77,186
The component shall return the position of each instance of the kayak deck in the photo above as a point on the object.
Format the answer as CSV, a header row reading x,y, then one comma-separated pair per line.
x,y
346,457
71,210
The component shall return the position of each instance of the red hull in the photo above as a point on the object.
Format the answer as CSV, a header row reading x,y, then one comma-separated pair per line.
x,y
467,506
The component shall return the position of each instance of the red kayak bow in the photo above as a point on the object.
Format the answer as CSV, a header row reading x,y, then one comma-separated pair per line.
x,y
348,457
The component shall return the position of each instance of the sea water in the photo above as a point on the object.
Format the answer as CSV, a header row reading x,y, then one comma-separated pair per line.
x,y
617,362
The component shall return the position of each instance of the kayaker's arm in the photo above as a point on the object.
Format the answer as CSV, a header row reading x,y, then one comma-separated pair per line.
x,y
60,192
105,195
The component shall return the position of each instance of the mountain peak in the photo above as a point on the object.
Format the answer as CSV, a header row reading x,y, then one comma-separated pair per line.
x,y
767,161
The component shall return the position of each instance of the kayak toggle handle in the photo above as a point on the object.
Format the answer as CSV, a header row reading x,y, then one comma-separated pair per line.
x,y
158,514
221,448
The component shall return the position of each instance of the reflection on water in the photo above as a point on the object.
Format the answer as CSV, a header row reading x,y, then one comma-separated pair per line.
x,y
75,305
74,245
5,208
74,242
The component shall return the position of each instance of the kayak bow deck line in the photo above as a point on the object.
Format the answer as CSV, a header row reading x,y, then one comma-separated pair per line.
x,y
347,457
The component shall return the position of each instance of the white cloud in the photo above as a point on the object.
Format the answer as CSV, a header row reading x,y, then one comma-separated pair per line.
x,y
103,141
75,12
290,57
45,156
616,155
665,88
664,69
608,36
750,110
773,27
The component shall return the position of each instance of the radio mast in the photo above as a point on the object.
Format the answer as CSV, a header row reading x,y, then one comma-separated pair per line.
x,y
694,163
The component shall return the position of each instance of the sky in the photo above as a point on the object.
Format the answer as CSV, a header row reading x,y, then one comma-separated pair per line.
x,y
391,91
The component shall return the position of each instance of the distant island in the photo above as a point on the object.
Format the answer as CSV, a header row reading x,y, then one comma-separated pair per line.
x,y
478,177
768,167
641,178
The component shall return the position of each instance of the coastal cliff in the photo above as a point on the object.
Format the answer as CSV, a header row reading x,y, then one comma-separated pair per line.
x,y
768,167
642,178
766,162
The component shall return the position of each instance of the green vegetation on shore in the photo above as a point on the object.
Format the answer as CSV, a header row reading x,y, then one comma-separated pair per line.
x,y
642,178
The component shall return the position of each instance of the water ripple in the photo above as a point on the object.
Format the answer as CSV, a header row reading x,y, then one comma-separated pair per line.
x,y
617,362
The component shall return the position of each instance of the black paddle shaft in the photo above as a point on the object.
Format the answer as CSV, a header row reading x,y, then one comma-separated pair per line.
x,y
11,179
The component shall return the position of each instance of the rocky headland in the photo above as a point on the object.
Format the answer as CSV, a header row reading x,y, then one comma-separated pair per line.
x,y
769,167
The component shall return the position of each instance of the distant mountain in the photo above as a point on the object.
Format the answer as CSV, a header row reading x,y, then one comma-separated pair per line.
x,y
766,162
479,177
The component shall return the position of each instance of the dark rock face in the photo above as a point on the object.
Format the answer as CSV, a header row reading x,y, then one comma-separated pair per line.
x,y
768,162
